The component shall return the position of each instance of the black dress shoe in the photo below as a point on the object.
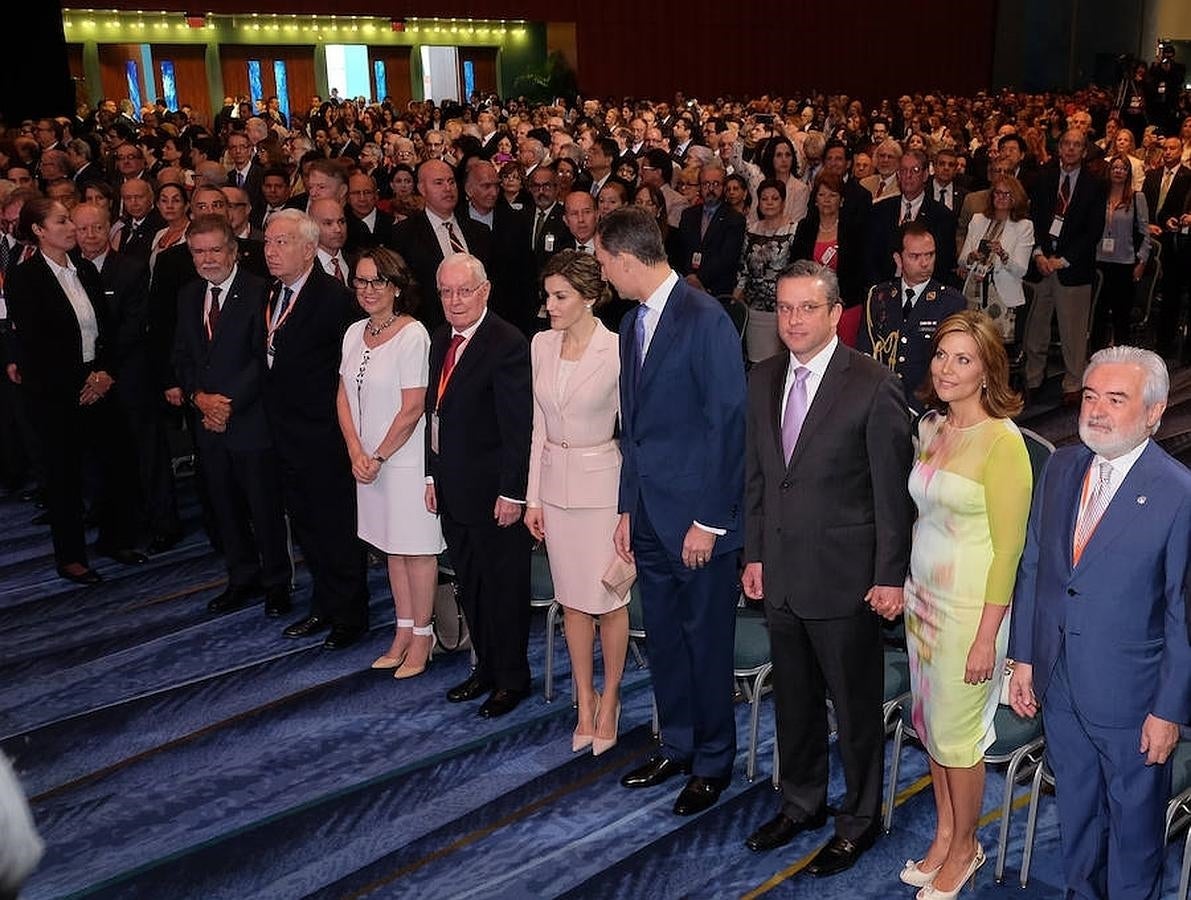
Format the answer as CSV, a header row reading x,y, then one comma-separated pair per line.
x,y
162,542
235,597
277,602
781,829
654,772
42,518
123,555
306,627
343,636
468,690
840,854
501,702
85,575
699,794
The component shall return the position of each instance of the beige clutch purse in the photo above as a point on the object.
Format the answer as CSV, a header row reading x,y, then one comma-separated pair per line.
x,y
618,578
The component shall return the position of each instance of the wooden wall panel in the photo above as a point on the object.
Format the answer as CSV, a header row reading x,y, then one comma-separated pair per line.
x,y
397,72
113,74
78,74
190,76
299,70
483,60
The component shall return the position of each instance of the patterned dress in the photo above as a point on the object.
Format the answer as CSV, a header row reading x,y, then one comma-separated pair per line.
x,y
972,487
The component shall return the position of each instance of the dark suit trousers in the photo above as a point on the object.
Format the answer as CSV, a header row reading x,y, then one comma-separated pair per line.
x,y
1111,805
68,434
245,493
690,623
492,565
320,496
149,426
843,659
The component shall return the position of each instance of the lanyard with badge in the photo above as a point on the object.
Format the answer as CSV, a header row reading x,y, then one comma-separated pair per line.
x,y
271,329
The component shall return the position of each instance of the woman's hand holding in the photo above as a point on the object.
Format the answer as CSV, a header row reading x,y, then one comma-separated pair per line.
x,y
94,388
364,467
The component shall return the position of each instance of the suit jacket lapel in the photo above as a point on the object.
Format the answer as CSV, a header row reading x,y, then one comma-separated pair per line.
x,y
592,360
825,397
473,353
1068,490
666,332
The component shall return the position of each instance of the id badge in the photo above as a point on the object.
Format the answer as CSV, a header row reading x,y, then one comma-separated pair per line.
x,y
1107,245
1056,226
549,243
434,432
696,259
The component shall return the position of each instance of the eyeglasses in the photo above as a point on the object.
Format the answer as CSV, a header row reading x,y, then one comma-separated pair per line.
x,y
799,311
126,157
1006,194
370,284
462,293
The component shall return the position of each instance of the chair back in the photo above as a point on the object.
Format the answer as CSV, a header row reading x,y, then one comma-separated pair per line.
x,y
1039,449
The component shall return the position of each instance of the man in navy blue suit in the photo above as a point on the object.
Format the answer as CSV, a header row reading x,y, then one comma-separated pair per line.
x,y
682,404
1099,633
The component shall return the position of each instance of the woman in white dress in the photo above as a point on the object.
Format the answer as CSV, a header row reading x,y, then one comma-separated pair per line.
x,y
574,474
382,393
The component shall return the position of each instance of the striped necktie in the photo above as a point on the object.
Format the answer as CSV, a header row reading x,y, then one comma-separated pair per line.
x,y
1093,511
453,238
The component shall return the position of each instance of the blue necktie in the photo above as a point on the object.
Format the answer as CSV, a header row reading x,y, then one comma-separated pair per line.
x,y
639,338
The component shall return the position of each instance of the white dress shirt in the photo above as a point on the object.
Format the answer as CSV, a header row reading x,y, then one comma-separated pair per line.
x,y
818,366
84,312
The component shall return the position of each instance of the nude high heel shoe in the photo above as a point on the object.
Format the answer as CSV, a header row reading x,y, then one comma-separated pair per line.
x,y
583,741
602,745
409,669
392,662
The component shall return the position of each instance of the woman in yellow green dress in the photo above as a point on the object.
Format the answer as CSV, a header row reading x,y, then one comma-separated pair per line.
x,y
971,482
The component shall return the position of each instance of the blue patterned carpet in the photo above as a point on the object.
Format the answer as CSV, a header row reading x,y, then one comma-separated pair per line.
x,y
171,753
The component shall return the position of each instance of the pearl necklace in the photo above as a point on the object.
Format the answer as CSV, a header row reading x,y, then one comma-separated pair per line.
x,y
375,330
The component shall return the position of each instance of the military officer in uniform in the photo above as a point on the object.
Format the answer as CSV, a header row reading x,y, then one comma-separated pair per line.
x,y
902,315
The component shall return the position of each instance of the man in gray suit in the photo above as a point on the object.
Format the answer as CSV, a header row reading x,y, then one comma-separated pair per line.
x,y
827,541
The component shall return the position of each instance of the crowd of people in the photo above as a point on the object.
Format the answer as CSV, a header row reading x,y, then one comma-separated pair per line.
x,y
477,328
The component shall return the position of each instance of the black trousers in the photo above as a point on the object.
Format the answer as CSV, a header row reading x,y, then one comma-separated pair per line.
x,y
320,496
812,659
1115,305
245,496
1176,274
149,427
492,567
68,433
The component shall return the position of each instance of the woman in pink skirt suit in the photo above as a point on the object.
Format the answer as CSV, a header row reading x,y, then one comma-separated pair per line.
x,y
574,476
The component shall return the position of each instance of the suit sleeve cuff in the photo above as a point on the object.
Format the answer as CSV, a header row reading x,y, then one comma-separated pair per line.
x,y
511,500
717,531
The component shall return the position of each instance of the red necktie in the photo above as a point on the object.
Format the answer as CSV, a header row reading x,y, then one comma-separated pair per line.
x,y
336,270
213,312
448,364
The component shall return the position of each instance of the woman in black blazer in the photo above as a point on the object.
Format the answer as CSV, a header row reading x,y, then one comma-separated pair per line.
x,y
64,357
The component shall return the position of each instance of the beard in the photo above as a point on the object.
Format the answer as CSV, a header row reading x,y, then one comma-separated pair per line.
x,y
1115,443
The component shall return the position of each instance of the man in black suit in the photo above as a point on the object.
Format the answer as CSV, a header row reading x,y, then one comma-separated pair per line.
x,y
1067,207
943,185
1166,192
307,314
548,232
857,200
477,464
141,220
125,281
902,315
246,173
516,297
219,355
914,204
711,235
425,239
367,226
827,539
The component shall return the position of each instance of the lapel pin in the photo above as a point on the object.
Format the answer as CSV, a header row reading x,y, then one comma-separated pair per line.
x,y
1141,499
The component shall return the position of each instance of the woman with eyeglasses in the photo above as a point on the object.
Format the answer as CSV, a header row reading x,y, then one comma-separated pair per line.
x,y
382,393
996,254
1121,254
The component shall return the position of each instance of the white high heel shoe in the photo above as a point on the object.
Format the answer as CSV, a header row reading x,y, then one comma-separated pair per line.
x,y
930,892
914,875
